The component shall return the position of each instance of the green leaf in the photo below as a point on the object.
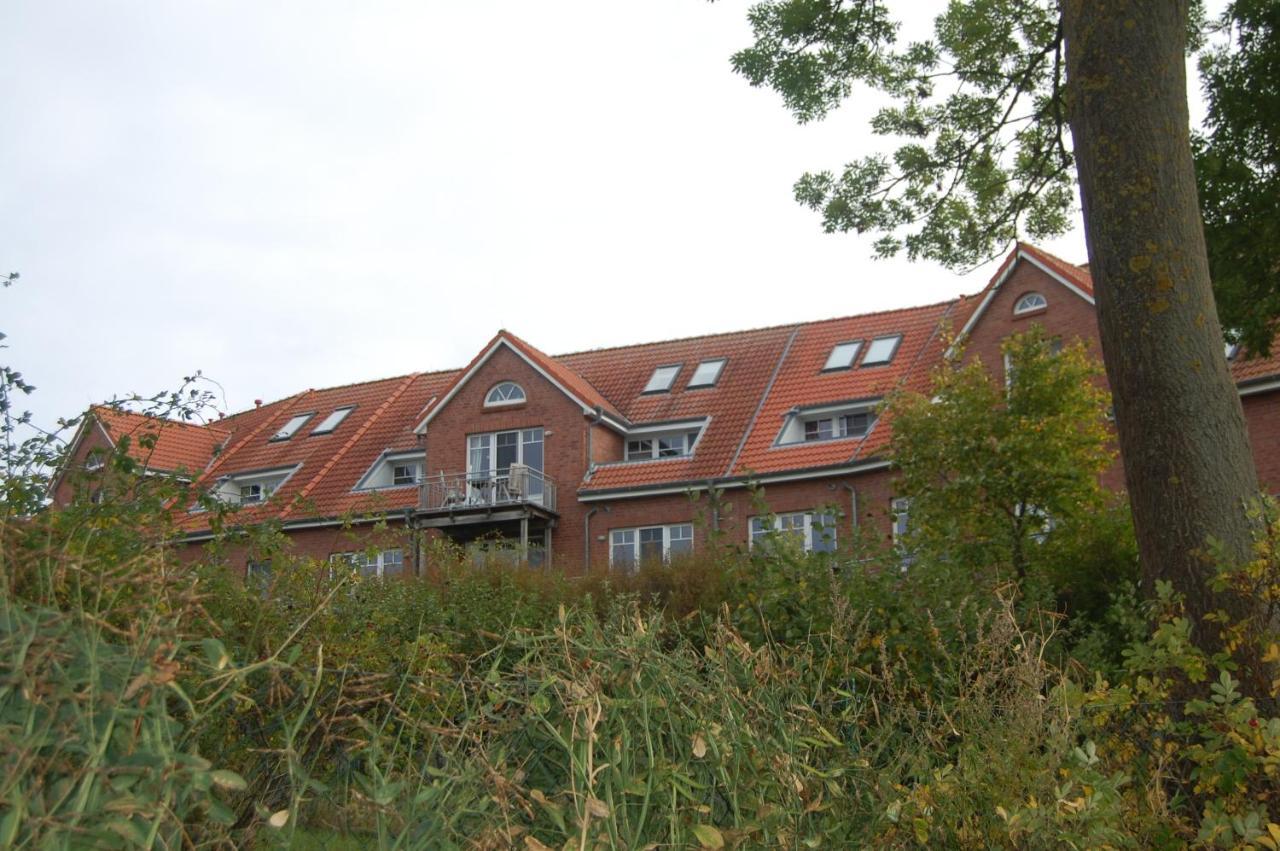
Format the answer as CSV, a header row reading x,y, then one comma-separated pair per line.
x,y
226,779
708,836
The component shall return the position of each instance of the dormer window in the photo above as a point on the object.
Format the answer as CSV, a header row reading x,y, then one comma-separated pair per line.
x,y
881,350
707,373
828,422
669,440
394,470
842,356
662,379
332,421
1030,303
291,428
253,487
505,393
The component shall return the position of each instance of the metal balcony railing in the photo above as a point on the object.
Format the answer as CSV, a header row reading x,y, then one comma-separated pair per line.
x,y
516,485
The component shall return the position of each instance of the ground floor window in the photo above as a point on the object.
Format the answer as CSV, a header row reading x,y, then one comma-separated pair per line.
x,y
372,564
814,531
629,547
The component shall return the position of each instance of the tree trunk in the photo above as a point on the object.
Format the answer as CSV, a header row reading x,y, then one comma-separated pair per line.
x,y
1186,454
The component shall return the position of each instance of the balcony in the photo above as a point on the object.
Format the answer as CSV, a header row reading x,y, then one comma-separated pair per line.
x,y
481,496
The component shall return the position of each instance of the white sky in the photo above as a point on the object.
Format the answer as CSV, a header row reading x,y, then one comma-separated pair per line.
x,y
300,194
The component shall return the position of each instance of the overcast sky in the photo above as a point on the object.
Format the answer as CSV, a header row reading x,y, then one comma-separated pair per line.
x,y
301,194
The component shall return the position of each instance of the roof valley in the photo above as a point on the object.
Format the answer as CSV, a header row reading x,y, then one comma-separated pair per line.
x,y
764,398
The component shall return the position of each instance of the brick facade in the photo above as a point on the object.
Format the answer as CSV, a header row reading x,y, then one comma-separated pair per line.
x,y
588,405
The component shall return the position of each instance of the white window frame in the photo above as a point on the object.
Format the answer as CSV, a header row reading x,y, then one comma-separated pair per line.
x,y
847,351
413,465
707,373
687,432
1027,303
802,522
292,427
663,378
795,426
370,565
876,346
839,425
330,423
257,492
676,533
490,400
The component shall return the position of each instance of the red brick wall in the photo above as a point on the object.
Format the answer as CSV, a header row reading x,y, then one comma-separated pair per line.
x,y
76,477
1067,316
564,434
1262,415
318,543
737,505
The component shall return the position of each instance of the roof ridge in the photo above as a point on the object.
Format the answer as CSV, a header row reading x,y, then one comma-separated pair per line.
x,y
163,421
355,436
778,327
343,387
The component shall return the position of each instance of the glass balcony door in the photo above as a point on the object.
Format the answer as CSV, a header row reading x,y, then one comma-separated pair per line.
x,y
490,457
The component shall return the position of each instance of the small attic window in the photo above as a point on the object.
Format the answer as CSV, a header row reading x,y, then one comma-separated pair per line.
x,y
843,355
707,373
881,350
1030,302
291,427
332,421
662,379
504,393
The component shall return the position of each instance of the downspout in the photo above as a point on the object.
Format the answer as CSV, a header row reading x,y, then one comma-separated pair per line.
x,y
853,503
586,540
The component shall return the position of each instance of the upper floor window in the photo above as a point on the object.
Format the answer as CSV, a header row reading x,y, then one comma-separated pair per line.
x,y
504,393
250,488
332,421
707,373
814,532
290,428
1030,302
881,350
846,425
630,547
393,470
829,422
662,379
671,440
843,355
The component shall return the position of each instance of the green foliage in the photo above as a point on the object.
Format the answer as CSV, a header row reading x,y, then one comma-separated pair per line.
x,y
996,474
1238,170
978,115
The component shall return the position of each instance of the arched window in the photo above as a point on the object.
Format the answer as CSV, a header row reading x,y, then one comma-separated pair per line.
x,y
1030,302
504,393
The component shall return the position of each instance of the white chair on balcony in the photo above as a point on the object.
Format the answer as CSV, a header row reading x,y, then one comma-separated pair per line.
x,y
517,482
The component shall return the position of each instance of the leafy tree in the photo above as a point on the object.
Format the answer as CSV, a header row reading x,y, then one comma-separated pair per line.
x,y
993,471
981,113
1238,171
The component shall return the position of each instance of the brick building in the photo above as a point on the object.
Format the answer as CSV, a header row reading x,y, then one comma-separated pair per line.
x,y
610,456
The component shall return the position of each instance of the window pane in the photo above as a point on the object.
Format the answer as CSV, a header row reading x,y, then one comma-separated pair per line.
x,y
651,544
332,421
707,373
392,562
670,447
843,355
681,539
758,528
819,429
855,425
622,551
662,379
822,533
881,350
637,449
291,427
532,450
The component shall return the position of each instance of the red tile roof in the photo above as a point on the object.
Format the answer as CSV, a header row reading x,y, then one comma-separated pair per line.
x,y
179,446
768,373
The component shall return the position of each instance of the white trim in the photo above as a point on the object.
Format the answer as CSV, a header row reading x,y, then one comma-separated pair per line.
x,y
635,543
1019,308
490,403
421,428
735,482
672,425
1260,387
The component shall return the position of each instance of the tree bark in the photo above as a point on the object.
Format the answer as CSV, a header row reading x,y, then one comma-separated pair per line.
x,y
1182,435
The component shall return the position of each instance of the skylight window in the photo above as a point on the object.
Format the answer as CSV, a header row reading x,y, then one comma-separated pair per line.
x,y
843,355
291,427
707,373
881,350
332,421
662,379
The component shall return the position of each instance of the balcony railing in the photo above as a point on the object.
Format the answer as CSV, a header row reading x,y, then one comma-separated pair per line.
x,y
517,485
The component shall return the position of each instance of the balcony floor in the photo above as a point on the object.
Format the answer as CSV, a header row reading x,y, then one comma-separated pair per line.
x,y
472,515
